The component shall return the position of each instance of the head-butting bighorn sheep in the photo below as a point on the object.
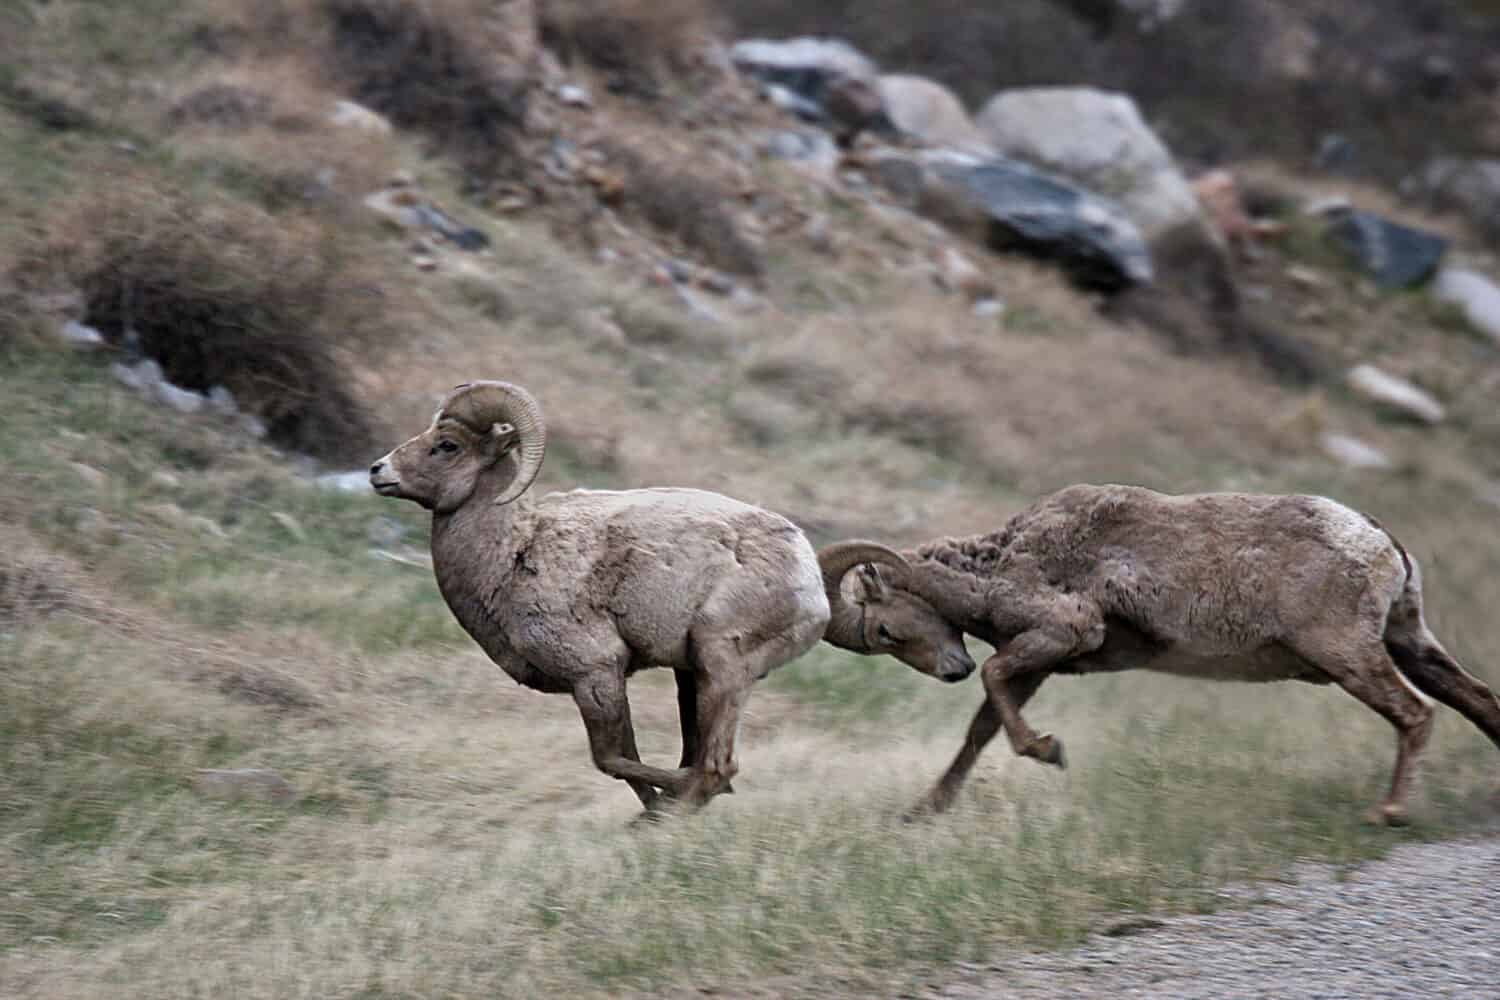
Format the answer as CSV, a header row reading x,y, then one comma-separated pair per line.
x,y
1227,586
576,591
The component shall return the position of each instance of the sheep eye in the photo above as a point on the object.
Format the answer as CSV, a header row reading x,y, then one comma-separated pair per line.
x,y
884,635
447,446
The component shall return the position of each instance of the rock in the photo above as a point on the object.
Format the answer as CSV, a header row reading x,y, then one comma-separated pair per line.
x,y
793,103
166,480
352,114
1329,205
89,474
345,482
180,399
574,96
80,337
802,68
1466,186
1306,277
930,113
1352,452
244,783
957,273
1393,255
143,376
853,105
406,208
1395,393
1476,295
1098,140
1012,206
988,308
818,232
222,402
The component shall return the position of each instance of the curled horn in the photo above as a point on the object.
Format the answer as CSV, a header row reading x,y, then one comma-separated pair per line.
x,y
481,405
836,560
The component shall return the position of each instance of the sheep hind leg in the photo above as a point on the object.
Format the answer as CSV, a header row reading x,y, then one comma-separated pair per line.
x,y
606,716
1365,669
982,729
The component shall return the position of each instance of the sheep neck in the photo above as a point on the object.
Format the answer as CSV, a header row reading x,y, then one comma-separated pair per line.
x,y
475,549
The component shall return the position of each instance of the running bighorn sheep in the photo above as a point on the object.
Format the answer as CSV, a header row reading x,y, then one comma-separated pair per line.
x,y
573,593
1227,586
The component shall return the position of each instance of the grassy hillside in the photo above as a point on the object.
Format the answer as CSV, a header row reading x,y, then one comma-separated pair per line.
x,y
175,595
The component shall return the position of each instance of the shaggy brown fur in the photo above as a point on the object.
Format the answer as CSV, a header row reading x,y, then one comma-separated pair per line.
x,y
575,592
1227,586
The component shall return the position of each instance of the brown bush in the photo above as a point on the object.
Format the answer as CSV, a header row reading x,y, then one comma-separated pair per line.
x,y
639,44
430,67
221,293
690,207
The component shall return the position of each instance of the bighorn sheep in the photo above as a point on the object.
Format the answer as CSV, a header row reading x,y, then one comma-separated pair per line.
x,y
1229,586
575,592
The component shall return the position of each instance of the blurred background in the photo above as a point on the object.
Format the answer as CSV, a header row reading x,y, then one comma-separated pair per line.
x,y
894,270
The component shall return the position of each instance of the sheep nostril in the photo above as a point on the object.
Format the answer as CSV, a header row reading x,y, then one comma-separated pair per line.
x,y
376,467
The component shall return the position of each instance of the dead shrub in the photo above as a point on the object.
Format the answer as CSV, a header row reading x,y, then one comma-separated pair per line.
x,y
690,207
639,44
431,67
221,293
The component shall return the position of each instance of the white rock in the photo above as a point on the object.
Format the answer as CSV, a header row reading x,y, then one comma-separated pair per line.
x,y
401,206
351,114
84,338
1397,393
180,399
143,376
574,96
957,273
1354,453
221,401
89,474
1476,295
930,113
1333,204
831,57
1099,140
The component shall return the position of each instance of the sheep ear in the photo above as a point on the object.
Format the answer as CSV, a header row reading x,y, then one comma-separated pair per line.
x,y
500,440
871,584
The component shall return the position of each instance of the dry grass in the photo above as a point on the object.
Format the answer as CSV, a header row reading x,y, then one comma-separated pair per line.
x,y
640,45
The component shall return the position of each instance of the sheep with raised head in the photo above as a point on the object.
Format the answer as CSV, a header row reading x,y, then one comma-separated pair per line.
x,y
1226,586
576,591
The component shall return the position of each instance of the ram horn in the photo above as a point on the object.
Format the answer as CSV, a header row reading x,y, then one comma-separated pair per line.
x,y
835,561
481,405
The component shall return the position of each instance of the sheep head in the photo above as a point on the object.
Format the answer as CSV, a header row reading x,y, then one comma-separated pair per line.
x,y
476,427
884,617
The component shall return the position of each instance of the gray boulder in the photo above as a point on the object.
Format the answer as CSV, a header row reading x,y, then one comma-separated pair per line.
x,y
1012,206
1477,296
1395,394
929,112
802,69
1468,187
1098,140
1393,255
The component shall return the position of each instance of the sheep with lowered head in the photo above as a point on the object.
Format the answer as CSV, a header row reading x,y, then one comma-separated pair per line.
x,y
574,592
1224,586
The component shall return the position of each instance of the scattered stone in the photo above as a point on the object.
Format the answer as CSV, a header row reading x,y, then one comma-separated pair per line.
x,y
143,376
1352,452
716,282
424,262
244,783
574,96
1395,393
1334,204
290,524
989,308
797,71
930,113
818,232
166,480
1106,147
1469,187
81,337
853,105
180,399
957,273
406,208
1476,295
89,474
352,114
222,402
1393,255
804,146
345,482
1306,277
1012,206
793,103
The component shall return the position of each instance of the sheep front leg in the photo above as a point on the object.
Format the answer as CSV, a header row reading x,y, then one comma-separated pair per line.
x,y
1025,662
982,729
606,715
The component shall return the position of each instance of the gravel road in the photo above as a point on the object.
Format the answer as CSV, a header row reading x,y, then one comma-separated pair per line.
x,y
1424,922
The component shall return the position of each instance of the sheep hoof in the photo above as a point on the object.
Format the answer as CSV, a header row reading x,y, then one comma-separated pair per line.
x,y
1388,814
1049,750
